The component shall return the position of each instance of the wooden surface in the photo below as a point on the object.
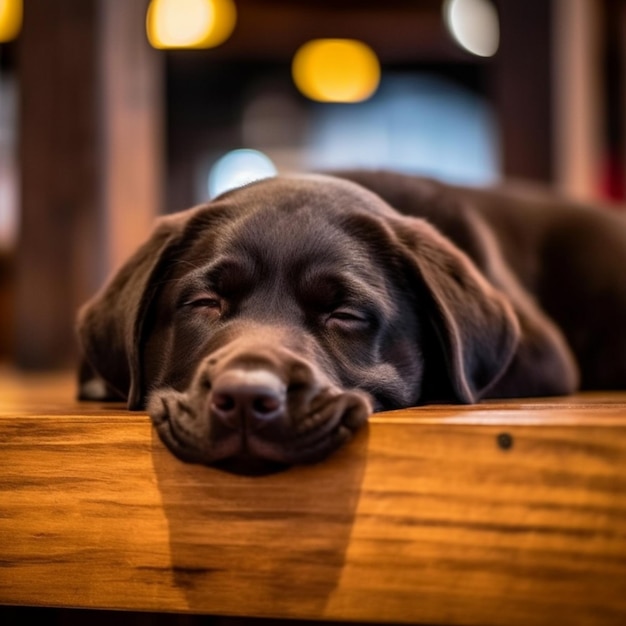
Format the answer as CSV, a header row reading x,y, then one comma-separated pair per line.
x,y
423,518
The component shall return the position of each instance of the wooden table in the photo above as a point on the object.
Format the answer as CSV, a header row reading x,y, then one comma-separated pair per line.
x,y
509,513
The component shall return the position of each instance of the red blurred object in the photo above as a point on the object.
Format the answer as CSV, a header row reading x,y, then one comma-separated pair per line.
x,y
612,183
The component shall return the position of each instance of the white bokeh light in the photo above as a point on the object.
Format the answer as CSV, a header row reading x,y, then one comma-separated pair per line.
x,y
474,25
238,168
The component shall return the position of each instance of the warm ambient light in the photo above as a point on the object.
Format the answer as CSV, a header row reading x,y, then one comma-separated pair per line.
x,y
474,25
336,70
237,168
190,23
10,19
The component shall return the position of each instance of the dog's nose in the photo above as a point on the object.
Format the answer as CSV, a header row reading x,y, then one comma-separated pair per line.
x,y
250,398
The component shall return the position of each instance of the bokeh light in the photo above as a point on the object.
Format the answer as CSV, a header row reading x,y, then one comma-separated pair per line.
x,y
474,25
238,168
336,70
190,23
10,19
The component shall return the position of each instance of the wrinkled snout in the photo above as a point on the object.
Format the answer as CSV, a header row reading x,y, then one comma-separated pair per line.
x,y
257,401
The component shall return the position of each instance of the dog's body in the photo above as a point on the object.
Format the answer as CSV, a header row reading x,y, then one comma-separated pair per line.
x,y
270,322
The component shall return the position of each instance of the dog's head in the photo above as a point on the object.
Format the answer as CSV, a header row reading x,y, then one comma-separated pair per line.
x,y
269,323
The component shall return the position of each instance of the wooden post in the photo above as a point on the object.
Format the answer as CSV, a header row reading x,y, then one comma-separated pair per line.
x,y
523,88
577,97
89,138
58,238
131,127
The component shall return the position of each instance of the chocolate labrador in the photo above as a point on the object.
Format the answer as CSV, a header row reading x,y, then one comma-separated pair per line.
x,y
269,323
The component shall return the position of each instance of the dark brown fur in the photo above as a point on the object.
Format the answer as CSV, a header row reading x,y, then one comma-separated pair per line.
x,y
269,323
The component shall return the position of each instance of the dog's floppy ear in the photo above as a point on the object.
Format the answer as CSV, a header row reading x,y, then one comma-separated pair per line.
x,y
476,325
109,325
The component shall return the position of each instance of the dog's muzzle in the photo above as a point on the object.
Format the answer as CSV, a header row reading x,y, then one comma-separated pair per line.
x,y
260,403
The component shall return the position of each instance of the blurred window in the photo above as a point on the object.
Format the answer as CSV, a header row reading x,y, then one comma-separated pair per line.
x,y
420,124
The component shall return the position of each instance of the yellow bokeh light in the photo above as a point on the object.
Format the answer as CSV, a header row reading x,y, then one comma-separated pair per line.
x,y
190,23
10,19
336,70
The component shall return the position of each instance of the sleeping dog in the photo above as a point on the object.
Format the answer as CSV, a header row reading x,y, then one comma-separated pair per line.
x,y
266,325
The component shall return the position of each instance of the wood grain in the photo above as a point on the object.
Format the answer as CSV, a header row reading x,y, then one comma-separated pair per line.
x,y
426,517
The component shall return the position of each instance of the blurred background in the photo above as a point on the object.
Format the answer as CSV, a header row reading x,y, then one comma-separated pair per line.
x,y
115,111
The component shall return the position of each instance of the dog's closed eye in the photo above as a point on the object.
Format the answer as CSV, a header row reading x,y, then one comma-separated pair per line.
x,y
204,302
347,318
201,306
